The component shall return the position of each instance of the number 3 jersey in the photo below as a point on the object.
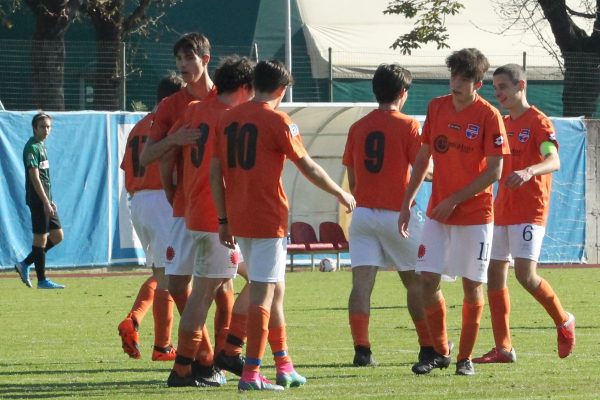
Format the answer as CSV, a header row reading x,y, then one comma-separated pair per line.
x,y
200,211
138,177
529,203
252,144
380,149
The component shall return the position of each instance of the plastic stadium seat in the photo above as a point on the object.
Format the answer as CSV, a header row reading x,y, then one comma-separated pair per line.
x,y
304,241
332,232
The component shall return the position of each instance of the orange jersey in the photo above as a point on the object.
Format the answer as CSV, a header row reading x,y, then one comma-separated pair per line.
x,y
530,202
459,144
138,177
252,142
169,110
380,149
200,210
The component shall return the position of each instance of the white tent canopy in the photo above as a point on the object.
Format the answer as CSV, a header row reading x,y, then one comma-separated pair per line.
x,y
360,36
324,127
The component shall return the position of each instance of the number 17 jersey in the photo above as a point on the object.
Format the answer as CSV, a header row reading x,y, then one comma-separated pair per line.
x,y
252,142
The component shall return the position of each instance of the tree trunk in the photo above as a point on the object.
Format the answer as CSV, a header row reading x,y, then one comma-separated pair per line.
x,y
581,84
48,74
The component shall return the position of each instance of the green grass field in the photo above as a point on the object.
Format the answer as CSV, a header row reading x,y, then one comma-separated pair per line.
x,y
64,344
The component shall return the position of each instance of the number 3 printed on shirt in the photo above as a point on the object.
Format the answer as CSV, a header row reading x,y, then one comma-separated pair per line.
x,y
198,151
241,145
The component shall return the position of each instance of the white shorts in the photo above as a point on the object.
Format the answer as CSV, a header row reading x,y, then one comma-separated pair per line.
x,y
375,240
213,260
455,250
265,258
179,258
518,241
151,216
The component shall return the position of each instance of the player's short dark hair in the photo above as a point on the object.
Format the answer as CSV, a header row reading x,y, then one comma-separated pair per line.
x,y
514,72
469,63
38,117
271,75
232,73
388,82
168,85
194,42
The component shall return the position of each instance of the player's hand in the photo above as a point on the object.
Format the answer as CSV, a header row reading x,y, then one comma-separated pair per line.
x,y
347,200
444,209
49,210
518,178
225,236
403,220
185,135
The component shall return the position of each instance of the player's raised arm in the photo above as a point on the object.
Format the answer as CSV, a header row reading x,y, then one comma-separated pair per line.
x,y
317,176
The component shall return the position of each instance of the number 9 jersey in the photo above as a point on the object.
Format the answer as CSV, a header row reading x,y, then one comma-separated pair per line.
x,y
380,149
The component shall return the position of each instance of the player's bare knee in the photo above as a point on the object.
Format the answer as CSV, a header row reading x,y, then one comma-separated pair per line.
x,y
56,236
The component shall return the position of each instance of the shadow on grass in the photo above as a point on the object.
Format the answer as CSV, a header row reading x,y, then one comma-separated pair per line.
x,y
75,371
70,389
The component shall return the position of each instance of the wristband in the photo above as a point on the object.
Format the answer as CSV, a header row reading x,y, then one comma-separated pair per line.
x,y
222,221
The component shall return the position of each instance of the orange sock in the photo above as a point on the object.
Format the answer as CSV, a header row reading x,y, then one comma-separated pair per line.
x,y
359,326
237,334
500,313
436,323
144,300
258,331
205,353
423,333
224,306
181,299
187,347
471,317
278,343
549,300
163,317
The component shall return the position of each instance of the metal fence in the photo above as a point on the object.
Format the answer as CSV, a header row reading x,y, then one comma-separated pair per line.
x,y
123,76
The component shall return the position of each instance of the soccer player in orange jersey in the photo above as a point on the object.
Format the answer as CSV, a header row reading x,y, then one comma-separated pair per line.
x,y
380,149
252,143
192,55
151,216
520,214
215,264
465,136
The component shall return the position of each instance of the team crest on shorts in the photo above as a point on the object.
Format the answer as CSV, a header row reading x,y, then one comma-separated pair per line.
x,y
170,253
524,135
472,131
421,252
234,257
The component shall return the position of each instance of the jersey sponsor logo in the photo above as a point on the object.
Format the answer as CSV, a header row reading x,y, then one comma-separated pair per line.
x,y
510,133
524,135
294,130
44,164
421,252
440,144
170,253
498,140
472,131
454,126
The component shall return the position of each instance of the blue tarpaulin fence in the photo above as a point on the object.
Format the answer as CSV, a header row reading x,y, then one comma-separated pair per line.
x,y
85,150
